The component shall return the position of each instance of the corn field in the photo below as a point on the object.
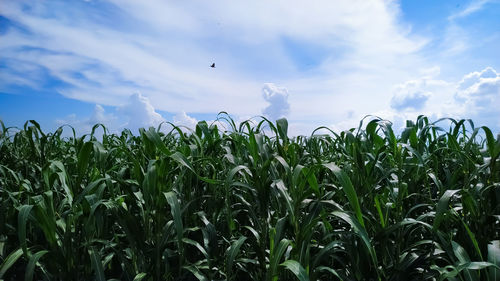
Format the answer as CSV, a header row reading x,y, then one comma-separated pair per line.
x,y
250,203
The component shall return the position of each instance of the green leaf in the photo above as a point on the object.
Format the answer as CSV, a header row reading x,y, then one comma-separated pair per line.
x,y
140,276
96,263
361,231
30,269
154,137
232,252
330,246
328,269
460,252
197,245
83,158
181,159
379,211
472,238
276,256
442,206
58,168
297,269
450,271
176,214
196,272
22,219
37,126
10,260
348,189
282,125
90,187
476,265
280,185
312,180
493,146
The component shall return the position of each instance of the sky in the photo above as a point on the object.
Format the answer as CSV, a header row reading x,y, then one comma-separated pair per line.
x,y
132,64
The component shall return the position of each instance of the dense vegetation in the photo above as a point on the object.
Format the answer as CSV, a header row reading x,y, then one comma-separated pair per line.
x,y
242,204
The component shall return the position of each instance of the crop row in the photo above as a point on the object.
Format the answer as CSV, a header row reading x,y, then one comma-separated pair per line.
x,y
250,203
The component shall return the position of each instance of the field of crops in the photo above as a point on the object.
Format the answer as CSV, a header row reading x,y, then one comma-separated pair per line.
x,y
250,203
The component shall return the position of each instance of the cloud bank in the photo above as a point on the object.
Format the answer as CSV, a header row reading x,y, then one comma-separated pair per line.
x,y
479,95
137,111
475,96
84,125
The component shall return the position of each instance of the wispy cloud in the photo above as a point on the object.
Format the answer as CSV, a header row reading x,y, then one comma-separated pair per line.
x,y
472,7
166,49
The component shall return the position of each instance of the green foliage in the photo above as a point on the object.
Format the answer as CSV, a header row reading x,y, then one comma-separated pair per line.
x,y
251,203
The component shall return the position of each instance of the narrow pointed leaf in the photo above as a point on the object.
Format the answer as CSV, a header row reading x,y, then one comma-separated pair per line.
x,y
297,269
30,269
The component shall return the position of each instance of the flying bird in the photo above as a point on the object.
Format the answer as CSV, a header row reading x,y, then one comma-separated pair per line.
x,y
213,65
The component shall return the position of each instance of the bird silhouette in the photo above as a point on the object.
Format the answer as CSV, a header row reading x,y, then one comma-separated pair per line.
x,y
213,65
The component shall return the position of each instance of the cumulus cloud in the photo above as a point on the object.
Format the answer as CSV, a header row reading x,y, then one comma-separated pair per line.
x,y
186,122
182,119
84,125
139,112
409,95
479,95
410,100
475,77
475,96
99,115
277,97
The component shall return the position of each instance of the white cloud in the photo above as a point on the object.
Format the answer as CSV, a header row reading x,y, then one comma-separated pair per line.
x,y
430,72
166,50
410,100
22,73
188,123
475,77
457,37
99,115
140,113
277,97
182,119
475,96
409,96
84,125
168,57
479,95
472,7
123,62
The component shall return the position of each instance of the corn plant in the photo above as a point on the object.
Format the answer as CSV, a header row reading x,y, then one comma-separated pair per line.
x,y
251,203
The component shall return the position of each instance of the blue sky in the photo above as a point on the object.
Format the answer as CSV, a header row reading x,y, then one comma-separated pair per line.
x,y
129,64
